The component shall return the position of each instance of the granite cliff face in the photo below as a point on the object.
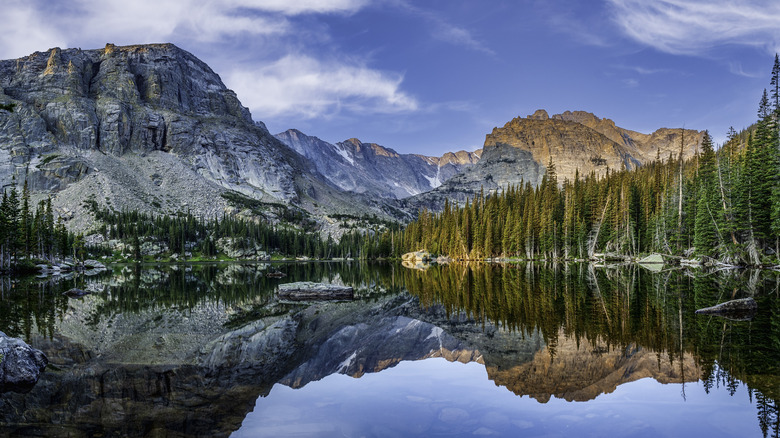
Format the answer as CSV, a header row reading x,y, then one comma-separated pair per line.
x,y
142,126
520,151
375,170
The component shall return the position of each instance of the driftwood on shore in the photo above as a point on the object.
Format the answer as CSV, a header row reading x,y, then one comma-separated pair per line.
x,y
307,290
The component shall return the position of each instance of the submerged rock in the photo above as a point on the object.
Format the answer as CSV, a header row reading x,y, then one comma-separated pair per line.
x,y
76,293
307,290
741,309
20,364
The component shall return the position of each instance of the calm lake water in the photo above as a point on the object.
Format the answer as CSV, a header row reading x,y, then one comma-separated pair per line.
x,y
478,350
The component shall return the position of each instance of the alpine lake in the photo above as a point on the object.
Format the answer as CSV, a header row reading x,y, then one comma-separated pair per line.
x,y
566,350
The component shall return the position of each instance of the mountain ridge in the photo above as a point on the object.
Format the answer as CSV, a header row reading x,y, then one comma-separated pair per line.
x,y
574,142
83,118
376,170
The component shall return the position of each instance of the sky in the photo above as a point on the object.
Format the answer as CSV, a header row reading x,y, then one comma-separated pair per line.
x,y
433,76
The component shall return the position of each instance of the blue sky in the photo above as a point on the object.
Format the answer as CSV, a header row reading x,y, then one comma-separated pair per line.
x,y
437,75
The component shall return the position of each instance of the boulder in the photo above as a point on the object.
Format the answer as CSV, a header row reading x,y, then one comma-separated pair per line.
x,y
76,293
20,364
93,264
153,248
307,290
413,257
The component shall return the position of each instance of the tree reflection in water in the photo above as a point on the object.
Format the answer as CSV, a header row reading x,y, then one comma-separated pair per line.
x,y
626,307
618,313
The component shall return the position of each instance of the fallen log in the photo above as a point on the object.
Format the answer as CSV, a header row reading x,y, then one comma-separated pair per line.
x,y
741,309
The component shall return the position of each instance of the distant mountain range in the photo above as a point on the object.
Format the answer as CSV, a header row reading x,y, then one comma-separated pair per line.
x,y
153,128
369,168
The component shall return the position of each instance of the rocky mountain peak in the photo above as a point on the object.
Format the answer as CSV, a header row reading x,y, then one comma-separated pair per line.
x,y
461,158
539,114
365,149
574,141
145,127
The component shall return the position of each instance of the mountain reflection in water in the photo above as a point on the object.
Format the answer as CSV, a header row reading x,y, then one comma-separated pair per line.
x,y
188,349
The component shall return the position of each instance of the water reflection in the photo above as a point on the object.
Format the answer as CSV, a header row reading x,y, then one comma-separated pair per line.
x,y
187,349
611,326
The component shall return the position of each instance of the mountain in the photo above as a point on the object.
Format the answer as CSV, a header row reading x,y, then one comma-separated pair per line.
x,y
375,170
148,127
153,128
520,151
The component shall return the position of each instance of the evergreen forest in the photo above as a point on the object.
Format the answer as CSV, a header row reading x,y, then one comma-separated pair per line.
x,y
721,204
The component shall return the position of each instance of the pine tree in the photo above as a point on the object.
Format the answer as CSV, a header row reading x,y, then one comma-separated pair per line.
x,y
706,233
26,222
775,85
762,170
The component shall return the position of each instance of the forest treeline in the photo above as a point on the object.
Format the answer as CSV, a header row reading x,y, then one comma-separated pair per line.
x,y
30,236
723,204
186,233
29,233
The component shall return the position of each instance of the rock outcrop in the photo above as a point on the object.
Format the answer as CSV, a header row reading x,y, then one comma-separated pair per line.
x,y
20,364
375,170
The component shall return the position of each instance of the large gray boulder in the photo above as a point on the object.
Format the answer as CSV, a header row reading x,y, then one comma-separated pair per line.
x,y
20,364
307,290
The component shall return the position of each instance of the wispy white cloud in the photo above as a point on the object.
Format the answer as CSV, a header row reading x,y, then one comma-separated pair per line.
x,y
30,25
642,70
694,27
737,69
296,7
25,30
630,83
566,17
445,31
302,86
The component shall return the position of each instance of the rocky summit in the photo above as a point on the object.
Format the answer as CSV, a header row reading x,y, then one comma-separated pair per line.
x,y
520,151
375,170
147,127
